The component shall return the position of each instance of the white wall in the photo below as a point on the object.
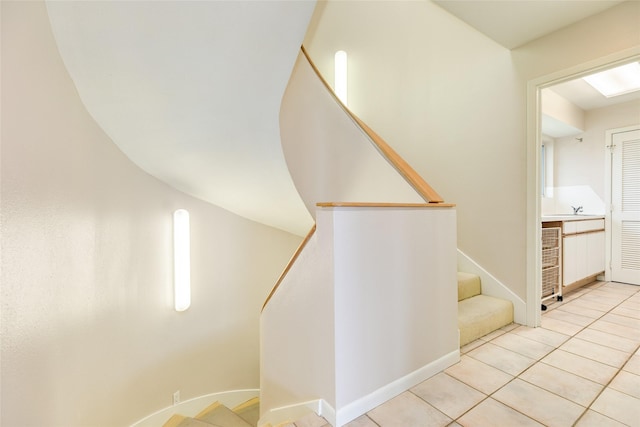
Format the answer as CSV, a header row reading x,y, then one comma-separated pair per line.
x,y
329,156
380,285
453,103
434,89
581,164
395,295
89,335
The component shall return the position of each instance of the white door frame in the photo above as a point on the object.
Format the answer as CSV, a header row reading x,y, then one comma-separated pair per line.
x,y
534,192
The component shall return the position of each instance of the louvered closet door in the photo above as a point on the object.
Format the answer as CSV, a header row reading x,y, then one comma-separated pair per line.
x,y
625,200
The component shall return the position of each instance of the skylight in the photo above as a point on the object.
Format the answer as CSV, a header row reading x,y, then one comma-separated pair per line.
x,y
616,81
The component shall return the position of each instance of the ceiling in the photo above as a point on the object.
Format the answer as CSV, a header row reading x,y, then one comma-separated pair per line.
x,y
190,91
582,94
513,23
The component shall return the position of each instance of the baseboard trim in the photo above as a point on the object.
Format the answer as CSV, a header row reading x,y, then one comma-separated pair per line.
x,y
191,407
493,287
363,405
291,413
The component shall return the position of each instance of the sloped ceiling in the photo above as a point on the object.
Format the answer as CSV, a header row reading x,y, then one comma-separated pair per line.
x,y
190,92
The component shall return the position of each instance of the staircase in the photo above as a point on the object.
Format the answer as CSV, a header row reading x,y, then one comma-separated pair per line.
x,y
479,315
246,414
218,415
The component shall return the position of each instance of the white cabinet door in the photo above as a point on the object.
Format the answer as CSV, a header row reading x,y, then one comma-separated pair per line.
x,y
569,257
582,256
595,253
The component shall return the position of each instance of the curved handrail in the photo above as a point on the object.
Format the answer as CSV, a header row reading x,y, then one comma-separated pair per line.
x,y
383,205
289,265
403,168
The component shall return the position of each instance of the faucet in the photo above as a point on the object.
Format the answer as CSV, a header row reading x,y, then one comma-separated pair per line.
x,y
576,210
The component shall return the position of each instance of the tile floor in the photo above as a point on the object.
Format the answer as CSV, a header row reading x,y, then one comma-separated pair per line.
x,y
581,368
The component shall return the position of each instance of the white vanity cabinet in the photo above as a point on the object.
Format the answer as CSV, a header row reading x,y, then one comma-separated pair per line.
x,y
582,250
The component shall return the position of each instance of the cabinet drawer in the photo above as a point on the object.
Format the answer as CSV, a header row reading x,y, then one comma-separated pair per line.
x,y
573,227
592,224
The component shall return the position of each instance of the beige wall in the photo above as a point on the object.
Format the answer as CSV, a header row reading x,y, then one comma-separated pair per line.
x,y
583,162
453,103
89,334
446,98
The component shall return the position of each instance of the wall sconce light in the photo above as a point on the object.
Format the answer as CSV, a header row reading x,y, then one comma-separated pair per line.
x,y
340,75
181,260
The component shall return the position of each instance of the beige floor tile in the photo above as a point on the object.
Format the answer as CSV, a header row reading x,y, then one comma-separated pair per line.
x,y
632,302
506,360
613,292
603,297
633,365
581,366
600,353
510,327
542,335
454,424
603,338
594,419
618,330
479,375
524,346
622,320
491,413
545,407
593,305
619,406
448,395
473,344
408,410
574,308
492,335
627,382
362,421
572,387
620,288
628,312
568,317
560,326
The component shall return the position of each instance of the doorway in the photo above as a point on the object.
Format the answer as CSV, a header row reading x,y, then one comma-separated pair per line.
x,y
536,184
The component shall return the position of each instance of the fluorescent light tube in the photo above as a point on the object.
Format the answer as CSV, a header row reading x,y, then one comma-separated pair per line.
x,y
340,75
182,260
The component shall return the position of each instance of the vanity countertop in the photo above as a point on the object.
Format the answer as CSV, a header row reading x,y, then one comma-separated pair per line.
x,y
570,217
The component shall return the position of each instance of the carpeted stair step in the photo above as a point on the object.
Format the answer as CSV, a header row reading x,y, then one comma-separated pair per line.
x,y
468,285
220,415
481,315
249,411
178,420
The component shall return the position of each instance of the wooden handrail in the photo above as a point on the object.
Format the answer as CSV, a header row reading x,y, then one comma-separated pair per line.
x,y
383,205
289,265
403,168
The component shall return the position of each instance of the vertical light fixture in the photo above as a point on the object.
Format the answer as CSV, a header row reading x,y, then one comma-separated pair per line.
x,y
181,260
340,75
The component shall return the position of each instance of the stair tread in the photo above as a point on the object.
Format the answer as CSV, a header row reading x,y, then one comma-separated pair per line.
x,y
178,420
218,414
481,315
468,285
249,411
